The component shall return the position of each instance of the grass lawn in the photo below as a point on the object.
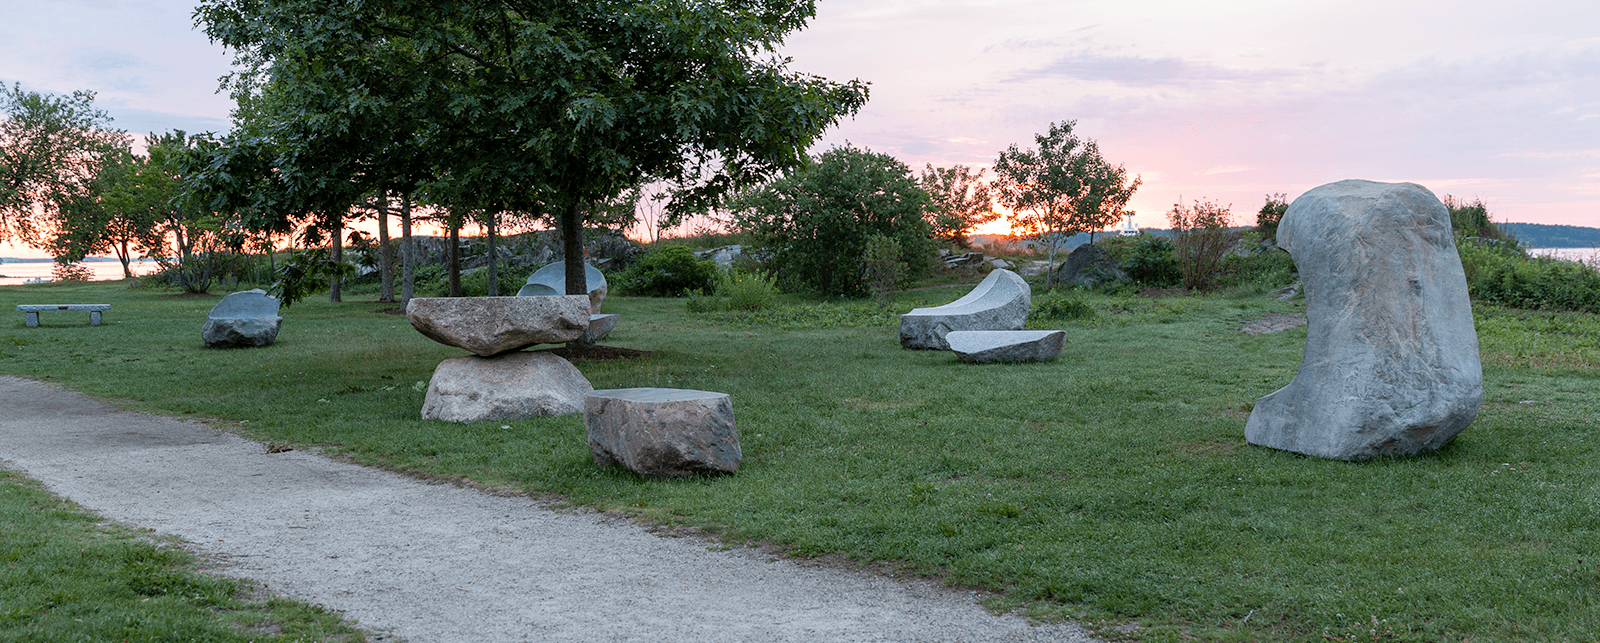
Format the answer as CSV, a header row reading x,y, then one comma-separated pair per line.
x,y
1112,485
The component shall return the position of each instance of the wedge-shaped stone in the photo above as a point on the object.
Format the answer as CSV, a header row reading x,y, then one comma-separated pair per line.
x,y
505,387
242,319
551,280
492,325
1000,302
602,325
1391,359
662,432
980,346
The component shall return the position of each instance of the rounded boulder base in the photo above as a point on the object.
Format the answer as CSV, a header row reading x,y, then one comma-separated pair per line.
x,y
243,319
983,346
662,432
511,386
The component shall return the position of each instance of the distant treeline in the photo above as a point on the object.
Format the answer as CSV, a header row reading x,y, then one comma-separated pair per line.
x,y
1539,235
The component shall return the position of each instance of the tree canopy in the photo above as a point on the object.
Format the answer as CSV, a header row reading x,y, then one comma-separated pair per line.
x,y
958,201
528,105
51,149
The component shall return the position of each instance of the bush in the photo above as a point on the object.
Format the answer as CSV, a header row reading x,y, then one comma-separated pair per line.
x,y
1270,214
667,271
1061,304
475,282
736,290
1202,242
1152,261
1541,283
1268,270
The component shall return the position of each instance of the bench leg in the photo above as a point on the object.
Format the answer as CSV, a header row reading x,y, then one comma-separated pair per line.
x,y
32,319
94,318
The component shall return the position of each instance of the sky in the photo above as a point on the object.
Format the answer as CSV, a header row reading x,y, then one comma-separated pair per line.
x,y
1226,101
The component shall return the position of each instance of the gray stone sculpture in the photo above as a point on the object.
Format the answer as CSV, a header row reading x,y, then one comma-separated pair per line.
x,y
1391,360
505,387
242,319
552,280
982,346
1000,302
662,432
492,325
601,325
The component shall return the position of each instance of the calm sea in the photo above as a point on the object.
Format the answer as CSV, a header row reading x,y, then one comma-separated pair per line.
x,y
12,272
1590,256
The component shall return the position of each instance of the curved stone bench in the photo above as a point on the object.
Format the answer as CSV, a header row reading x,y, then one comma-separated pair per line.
x,y
551,280
242,319
999,303
982,346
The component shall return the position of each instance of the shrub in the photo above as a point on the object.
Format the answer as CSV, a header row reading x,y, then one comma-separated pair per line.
x,y
1270,214
1202,242
1151,260
1541,283
667,271
1061,304
1266,270
882,269
741,290
71,272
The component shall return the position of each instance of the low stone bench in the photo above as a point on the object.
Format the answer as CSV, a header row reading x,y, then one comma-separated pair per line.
x,y
1000,302
662,432
981,346
32,311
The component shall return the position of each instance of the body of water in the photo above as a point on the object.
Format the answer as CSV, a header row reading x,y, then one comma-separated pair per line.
x,y
1590,256
19,272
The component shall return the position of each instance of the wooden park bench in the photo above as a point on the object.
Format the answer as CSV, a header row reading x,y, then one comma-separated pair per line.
x,y
33,311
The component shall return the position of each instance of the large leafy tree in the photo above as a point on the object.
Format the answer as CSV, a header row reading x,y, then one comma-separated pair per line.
x,y
533,106
51,150
958,201
122,212
819,221
1062,188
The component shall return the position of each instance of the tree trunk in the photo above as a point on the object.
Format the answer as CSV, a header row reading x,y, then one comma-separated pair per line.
x,y
385,254
408,252
453,256
494,279
572,247
122,255
336,256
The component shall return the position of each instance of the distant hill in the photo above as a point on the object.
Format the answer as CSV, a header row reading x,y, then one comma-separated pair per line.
x,y
1539,235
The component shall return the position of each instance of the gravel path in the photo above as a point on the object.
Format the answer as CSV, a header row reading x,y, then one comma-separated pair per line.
x,y
426,562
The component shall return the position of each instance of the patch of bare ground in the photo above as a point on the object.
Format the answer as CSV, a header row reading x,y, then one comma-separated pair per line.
x,y
1274,323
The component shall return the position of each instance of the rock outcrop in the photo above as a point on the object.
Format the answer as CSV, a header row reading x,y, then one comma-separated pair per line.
x,y
1391,360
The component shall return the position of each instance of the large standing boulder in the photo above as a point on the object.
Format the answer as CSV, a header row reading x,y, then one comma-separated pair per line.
x,y
662,432
1391,359
551,280
510,386
1000,302
242,319
1088,265
492,325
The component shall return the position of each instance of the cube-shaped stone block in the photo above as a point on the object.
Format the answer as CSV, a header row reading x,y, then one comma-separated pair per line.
x,y
662,432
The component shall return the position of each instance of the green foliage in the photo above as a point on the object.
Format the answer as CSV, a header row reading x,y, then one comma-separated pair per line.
x,y
882,268
1270,214
1062,304
1062,188
1151,260
306,273
737,290
1201,242
958,201
1471,219
1540,283
1261,271
817,222
51,150
667,271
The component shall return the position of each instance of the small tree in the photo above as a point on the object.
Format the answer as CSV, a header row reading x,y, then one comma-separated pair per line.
x,y
1062,188
881,268
958,201
51,150
1201,241
817,220
1267,219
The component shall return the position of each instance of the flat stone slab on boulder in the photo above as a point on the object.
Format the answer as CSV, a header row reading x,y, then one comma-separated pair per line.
x,y
242,319
551,280
510,386
662,432
1000,302
982,346
493,325
1391,360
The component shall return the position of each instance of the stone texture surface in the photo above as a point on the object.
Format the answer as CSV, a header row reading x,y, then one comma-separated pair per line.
x,y
662,432
1000,302
1088,265
242,319
602,325
552,280
505,387
492,325
982,346
1391,360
